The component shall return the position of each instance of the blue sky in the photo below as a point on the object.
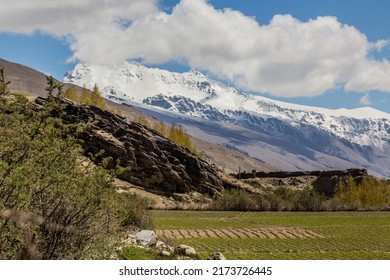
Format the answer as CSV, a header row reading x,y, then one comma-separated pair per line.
x,y
338,60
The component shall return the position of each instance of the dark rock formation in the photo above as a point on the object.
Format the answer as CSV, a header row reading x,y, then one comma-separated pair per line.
x,y
325,183
287,174
156,163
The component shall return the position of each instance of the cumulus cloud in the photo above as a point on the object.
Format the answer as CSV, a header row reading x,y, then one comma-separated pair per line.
x,y
70,17
285,57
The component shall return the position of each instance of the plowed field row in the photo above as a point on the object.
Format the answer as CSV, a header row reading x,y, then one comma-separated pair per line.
x,y
272,232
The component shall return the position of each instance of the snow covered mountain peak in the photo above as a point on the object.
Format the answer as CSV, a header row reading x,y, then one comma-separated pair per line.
x,y
134,80
196,96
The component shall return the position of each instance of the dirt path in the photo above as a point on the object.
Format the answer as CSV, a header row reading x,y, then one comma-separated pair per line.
x,y
271,232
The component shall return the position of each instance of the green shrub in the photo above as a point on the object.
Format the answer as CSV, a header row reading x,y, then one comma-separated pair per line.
x,y
235,200
279,199
308,200
43,182
133,211
54,204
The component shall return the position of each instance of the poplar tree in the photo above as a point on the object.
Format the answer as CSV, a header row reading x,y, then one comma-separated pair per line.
x,y
71,93
4,90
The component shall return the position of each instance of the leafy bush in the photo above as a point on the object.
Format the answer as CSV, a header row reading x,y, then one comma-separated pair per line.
x,y
41,177
369,194
280,199
133,211
54,204
235,200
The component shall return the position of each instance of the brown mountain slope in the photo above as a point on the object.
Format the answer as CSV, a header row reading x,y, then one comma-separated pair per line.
x,y
27,80
24,79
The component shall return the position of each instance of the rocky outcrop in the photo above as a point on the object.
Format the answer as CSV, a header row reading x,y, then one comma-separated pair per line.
x,y
287,174
324,182
154,162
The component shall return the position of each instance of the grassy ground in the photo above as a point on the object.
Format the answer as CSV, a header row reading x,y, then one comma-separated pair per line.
x,y
345,235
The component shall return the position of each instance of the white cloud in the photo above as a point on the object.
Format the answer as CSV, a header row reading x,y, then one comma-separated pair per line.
x,y
70,17
365,100
286,57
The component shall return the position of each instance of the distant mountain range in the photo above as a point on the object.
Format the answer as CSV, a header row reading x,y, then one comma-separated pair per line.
x,y
287,136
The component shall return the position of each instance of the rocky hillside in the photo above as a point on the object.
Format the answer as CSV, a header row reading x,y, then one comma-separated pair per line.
x,y
152,161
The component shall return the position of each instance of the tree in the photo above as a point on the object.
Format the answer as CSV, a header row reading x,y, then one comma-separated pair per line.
x,y
85,97
369,193
93,98
4,90
71,93
52,85
52,202
97,99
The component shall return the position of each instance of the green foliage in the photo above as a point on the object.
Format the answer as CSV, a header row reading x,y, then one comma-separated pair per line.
x,y
367,193
133,211
4,90
52,85
280,199
371,193
93,98
96,98
53,203
177,135
71,93
235,200
41,176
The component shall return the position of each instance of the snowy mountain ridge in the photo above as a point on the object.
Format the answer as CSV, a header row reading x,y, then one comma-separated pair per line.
x,y
194,94
287,136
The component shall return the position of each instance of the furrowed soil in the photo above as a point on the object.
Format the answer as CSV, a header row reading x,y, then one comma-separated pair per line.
x,y
273,232
279,235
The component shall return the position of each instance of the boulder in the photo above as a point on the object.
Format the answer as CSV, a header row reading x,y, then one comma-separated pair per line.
x,y
165,254
217,256
146,237
185,250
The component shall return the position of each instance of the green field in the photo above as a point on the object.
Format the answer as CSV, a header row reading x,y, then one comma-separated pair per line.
x,y
329,235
